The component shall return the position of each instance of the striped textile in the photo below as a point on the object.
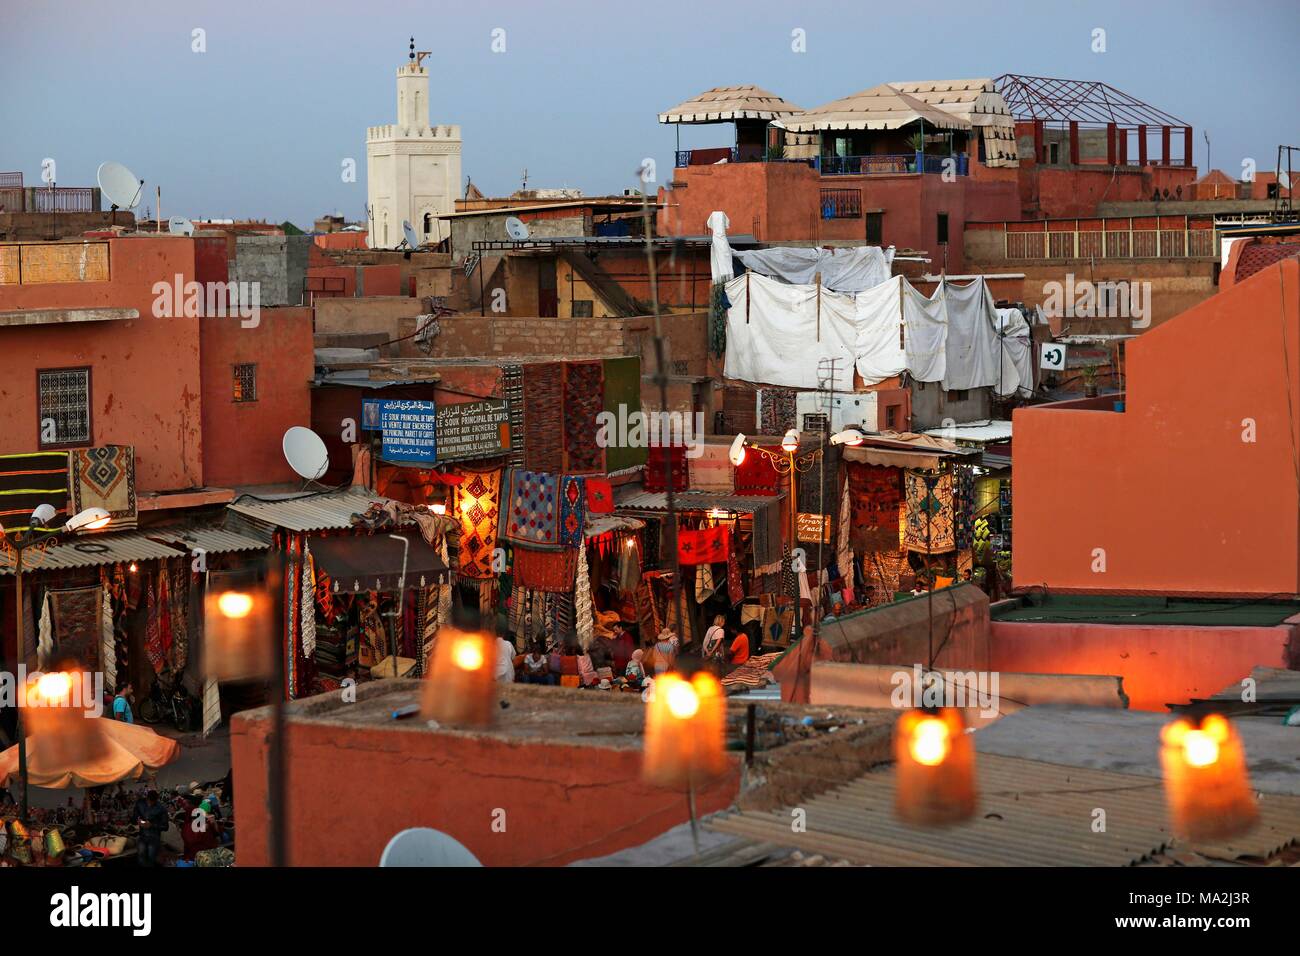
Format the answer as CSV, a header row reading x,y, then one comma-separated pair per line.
x,y
28,480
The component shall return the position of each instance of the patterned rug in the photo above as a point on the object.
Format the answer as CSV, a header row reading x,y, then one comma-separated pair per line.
x,y
876,495
662,459
104,478
622,378
512,386
544,417
532,510
756,476
75,614
573,511
929,515
551,571
777,410
702,546
584,399
766,539
755,672
478,502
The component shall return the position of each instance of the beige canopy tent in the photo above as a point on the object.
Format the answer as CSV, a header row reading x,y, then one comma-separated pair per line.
x,y
881,107
116,751
977,102
725,104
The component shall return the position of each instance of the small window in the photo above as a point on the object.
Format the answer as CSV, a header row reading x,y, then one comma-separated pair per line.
x,y
245,383
63,407
942,227
958,395
428,223
891,417
582,308
875,228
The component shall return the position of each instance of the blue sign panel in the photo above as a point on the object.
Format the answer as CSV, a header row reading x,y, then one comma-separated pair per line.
x,y
410,430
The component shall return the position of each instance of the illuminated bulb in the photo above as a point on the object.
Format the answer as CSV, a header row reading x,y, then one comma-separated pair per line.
x,y
791,440
468,655
235,604
465,504
1207,785
98,523
929,744
54,687
133,568
629,543
683,702
1200,748
438,509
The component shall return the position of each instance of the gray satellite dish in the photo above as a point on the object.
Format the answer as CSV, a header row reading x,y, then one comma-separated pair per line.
x,y
412,240
119,185
421,846
1284,179
516,229
180,226
305,452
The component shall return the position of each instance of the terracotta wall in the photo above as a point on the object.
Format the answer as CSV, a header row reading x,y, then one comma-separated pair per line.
x,y
1192,489
144,372
1159,664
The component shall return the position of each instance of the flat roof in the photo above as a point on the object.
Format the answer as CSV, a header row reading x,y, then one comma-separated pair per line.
x,y
1107,609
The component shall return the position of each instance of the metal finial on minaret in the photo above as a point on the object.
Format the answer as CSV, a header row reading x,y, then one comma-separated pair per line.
x,y
412,53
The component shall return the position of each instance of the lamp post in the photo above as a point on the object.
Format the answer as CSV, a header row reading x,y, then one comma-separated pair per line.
x,y
36,538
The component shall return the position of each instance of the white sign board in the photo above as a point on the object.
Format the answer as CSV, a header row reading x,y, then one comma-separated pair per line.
x,y
1052,358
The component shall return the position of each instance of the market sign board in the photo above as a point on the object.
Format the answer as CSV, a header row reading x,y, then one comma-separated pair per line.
x,y
1052,358
409,428
813,528
473,430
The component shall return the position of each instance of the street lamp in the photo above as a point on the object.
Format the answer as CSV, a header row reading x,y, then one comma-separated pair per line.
x,y
37,538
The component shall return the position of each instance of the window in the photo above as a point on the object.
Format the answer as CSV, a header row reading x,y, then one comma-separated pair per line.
x,y
942,227
891,417
63,407
582,308
245,383
956,396
875,228
841,203
428,223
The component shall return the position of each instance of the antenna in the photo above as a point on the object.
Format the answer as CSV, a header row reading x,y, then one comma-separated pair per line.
x,y
120,185
524,187
180,226
516,229
305,452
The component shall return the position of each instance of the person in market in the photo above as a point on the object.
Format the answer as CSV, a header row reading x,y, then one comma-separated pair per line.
x,y
505,672
713,638
634,674
200,831
153,821
739,649
537,668
665,651
122,704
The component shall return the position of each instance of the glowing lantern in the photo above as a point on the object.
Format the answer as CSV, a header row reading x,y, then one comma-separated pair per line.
x,y
685,731
239,641
790,442
438,509
935,766
461,686
58,711
1207,785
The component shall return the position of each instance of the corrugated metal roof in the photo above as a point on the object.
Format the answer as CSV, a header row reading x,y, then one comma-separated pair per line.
x,y
92,551
988,430
324,512
211,540
693,501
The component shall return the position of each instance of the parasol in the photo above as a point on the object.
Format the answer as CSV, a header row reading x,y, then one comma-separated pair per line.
x,y
127,751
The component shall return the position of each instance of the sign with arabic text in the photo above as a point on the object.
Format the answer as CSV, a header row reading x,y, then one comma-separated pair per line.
x,y
409,427
473,430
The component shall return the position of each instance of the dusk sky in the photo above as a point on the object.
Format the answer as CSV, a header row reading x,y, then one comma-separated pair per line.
x,y
259,124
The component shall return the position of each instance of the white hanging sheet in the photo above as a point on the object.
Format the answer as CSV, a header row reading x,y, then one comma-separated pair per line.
x,y
1017,374
972,347
848,269
720,250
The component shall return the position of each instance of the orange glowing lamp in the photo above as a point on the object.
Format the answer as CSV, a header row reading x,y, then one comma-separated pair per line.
x,y
935,766
59,708
461,686
239,634
685,731
1207,785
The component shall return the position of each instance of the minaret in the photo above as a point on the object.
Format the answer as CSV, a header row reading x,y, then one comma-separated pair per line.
x,y
412,167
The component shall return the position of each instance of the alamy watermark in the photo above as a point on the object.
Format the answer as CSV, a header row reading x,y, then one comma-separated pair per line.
x,y
638,429
181,299
82,691
1110,299
930,688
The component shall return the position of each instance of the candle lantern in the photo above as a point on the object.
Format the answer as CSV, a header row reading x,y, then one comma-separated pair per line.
x,y
58,712
935,768
685,731
1207,785
461,686
239,634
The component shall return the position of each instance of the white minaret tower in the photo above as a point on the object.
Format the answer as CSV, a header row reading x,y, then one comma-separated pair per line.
x,y
412,168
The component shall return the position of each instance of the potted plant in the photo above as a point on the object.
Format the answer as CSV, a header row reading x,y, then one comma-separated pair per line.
x,y
1090,381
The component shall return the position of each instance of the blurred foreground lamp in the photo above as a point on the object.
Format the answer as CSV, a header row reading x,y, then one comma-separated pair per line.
x,y
790,442
239,630
461,686
1206,783
92,519
737,451
57,712
685,730
935,766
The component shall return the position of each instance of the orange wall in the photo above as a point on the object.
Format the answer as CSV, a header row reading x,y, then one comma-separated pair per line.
x,y
1160,664
1169,489
351,789
144,372
242,440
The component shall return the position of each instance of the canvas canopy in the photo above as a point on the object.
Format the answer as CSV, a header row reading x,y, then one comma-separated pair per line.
x,y
122,752
725,104
881,107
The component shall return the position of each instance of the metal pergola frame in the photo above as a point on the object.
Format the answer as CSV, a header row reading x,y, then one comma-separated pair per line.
x,y
1089,103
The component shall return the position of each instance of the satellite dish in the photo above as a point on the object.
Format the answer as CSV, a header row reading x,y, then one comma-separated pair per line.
x,y
412,240
1284,179
305,452
516,229
120,185
180,226
422,846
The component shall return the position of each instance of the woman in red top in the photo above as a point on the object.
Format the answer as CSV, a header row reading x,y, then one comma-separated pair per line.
x,y
739,649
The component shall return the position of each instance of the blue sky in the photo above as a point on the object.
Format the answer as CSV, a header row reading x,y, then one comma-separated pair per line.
x,y
260,123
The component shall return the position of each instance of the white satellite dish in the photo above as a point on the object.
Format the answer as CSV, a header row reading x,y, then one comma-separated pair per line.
x,y
119,185
412,240
422,846
1283,178
305,452
180,226
516,229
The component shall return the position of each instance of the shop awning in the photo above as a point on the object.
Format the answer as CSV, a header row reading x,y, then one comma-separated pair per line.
x,y
93,550
657,501
374,562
